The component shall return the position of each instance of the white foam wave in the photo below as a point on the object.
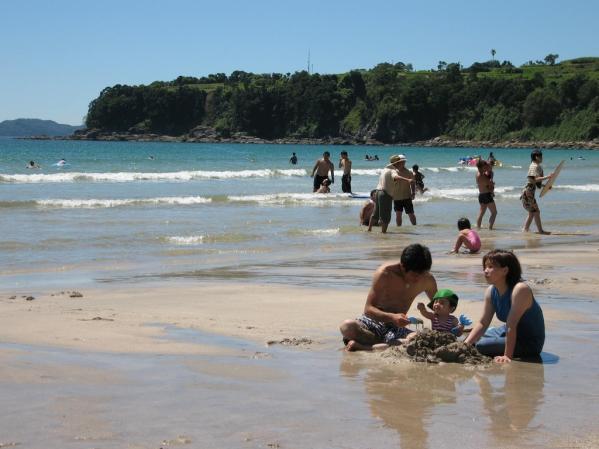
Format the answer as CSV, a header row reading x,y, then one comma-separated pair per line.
x,y
323,232
190,240
98,203
285,198
366,172
148,176
580,188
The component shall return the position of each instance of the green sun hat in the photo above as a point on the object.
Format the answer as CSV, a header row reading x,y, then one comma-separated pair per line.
x,y
447,294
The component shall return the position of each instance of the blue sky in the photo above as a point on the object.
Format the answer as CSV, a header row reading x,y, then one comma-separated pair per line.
x,y
58,55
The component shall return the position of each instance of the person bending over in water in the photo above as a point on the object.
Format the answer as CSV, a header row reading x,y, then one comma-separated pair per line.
x,y
394,287
467,237
512,301
324,187
321,169
367,210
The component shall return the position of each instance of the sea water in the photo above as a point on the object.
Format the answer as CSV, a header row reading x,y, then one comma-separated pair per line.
x,y
126,211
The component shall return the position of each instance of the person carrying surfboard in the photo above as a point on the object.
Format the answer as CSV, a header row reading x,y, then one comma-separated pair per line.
x,y
534,179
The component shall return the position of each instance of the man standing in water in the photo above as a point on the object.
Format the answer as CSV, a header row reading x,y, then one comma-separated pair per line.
x,y
386,192
345,164
293,159
394,288
405,193
321,169
484,181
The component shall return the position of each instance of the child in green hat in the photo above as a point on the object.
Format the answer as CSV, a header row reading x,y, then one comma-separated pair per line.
x,y
443,305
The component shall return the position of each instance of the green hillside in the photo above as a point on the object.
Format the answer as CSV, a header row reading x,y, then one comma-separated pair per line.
x,y
390,103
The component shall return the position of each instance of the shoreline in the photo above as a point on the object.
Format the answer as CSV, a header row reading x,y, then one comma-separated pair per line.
x,y
240,138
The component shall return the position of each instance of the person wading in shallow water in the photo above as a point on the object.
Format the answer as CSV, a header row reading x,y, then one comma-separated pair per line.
x,y
321,169
394,287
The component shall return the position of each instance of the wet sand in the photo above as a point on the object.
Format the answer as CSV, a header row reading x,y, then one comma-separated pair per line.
x,y
244,365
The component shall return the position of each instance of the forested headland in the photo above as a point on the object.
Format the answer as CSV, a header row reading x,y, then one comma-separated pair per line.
x,y
390,103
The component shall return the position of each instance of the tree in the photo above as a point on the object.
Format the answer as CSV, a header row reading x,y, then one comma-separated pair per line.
x,y
551,58
493,52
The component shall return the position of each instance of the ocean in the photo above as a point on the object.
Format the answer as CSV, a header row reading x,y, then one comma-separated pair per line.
x,y
130,211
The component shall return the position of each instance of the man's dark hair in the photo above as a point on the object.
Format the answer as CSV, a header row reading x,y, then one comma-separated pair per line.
x,y
417,258
415,167
326,153
463,223
504,258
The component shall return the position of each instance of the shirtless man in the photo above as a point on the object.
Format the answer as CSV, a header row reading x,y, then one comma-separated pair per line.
x,y
322,168
394,287
405,192
486,186
345,164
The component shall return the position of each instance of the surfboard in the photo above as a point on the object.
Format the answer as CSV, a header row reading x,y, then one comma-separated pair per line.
x,y
547,187
362,196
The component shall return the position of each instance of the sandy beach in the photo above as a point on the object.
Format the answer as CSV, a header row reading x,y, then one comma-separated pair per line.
x,y
238,364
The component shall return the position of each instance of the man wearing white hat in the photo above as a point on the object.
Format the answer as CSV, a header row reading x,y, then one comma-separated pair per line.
x,y
387,191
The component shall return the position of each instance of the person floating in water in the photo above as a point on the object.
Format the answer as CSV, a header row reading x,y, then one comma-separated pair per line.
x,y
32,164
293,159
61,162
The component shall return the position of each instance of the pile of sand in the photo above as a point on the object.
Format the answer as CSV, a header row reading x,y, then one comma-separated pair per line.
x,y
435,347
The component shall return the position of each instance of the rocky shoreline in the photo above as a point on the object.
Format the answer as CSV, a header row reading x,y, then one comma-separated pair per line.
x,y
209,135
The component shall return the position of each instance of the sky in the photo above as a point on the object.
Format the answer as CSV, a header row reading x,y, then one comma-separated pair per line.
x,y
57,56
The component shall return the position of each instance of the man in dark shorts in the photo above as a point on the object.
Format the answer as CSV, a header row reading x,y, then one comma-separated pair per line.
x,y
321,169
394,287
486,186
404,193
386,192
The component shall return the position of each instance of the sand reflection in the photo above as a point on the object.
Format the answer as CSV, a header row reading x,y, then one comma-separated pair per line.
x,y
425,404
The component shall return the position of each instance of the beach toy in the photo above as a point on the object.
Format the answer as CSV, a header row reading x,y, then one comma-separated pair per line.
x,y
414,320
464,321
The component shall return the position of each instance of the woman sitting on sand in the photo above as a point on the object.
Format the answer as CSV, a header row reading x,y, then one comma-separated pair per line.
x,y
512,301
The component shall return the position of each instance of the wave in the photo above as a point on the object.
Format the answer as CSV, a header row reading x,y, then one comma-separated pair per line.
x,y
291,199
192,240
149,176
99,203
580,188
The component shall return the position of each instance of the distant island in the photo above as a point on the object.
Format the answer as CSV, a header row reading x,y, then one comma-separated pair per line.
x,y
492,102
27,127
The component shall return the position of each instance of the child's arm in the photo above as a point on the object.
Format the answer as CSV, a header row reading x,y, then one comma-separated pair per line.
x,y
457,328
425,313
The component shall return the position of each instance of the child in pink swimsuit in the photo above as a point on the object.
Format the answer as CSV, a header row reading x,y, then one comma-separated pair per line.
x,y
467,237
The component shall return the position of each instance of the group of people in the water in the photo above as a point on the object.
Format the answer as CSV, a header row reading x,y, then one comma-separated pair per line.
x,y
398,186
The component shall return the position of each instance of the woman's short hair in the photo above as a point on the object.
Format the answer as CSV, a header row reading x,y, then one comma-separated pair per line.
x,y
505,258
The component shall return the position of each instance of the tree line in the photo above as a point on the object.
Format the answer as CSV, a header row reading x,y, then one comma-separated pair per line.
x,y
390,103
